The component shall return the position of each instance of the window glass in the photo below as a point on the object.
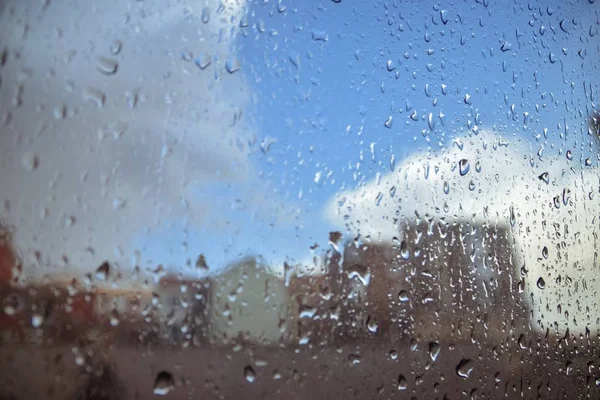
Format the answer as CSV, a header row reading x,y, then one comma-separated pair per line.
x,y
287,199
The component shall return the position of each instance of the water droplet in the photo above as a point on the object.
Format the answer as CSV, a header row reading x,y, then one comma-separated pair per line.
x,y
464,368
545,177
390,66
552,58
30,161
249,374
545,252
96,96
12,305
319,35
569,155
107,66
37,320
522,341
505,46
360,272
403,296
102,271
402,383
431,121
467,99
566,196
232,65
434,350
588,162
115,47
444,16
404,251
117,128
372,324
512,217
463,167
205,15
163,384
201,262
202,61
317,179
393,354
541,283
114,318
388,122
354,359
60,112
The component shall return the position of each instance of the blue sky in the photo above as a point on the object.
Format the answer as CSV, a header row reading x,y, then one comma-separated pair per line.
x,y
230,162
325,77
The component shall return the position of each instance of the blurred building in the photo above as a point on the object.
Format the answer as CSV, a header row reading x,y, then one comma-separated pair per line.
x,y
183,308
248,303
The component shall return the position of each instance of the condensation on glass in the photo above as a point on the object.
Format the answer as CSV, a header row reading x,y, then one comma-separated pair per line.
x,y
285,199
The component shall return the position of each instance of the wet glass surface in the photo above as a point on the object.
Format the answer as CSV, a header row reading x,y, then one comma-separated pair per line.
x,y
284,199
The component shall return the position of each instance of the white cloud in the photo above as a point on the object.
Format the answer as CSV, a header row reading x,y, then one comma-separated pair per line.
x,y
509,178
166,129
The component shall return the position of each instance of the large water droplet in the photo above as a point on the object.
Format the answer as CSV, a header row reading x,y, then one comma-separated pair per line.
x,y
434,350
96,96
545,177
205,15
464,166
403,296
30,161
402,383
404,251
444,16
388,122
372,324
102,271
115,47
107,66
464,368
360,272
202,61
163,384
249,374
37,320
12,305
232,65
318,35
512,218
541,283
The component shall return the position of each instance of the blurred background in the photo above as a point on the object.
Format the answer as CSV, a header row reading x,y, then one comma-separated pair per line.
x,y
258,199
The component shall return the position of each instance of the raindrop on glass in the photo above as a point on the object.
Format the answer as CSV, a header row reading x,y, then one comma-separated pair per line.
x,y
163,384
30,161
102,272
372,324
37,320
107,66
463,167
402,383
249,374
434,350
388,122
403,296
541,283
464,368
205,15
